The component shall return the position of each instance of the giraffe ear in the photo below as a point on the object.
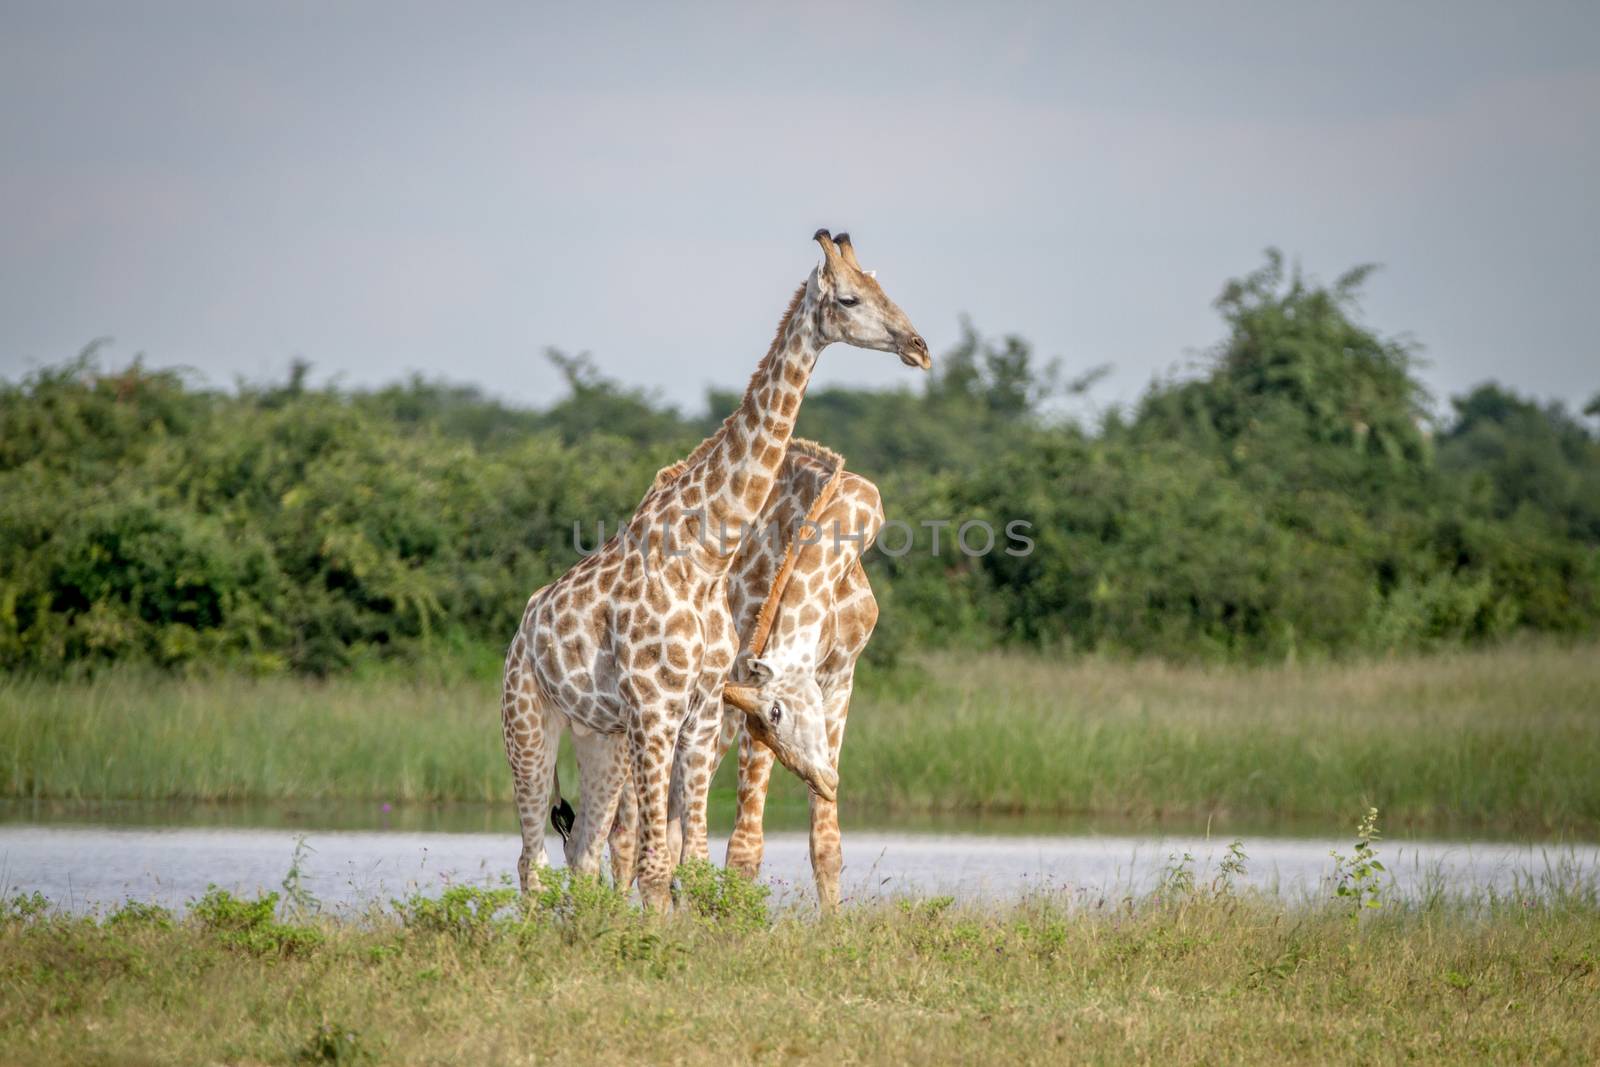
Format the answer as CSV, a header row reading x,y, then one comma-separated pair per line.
x,y
819,286
761,671
872,274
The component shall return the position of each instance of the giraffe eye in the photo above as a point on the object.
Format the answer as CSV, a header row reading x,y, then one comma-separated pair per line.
x,y
775,716
849,301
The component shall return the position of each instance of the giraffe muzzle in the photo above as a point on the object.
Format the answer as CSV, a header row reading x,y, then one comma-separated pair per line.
x,y
914,353
825,783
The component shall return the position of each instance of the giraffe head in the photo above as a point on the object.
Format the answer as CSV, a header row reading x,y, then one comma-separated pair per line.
x,y
852,307
784,711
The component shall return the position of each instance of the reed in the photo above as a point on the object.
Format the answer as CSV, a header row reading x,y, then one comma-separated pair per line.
x,y
1505,738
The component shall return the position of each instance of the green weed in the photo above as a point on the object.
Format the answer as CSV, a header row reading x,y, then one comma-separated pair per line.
x,y
136,913
722,895
297,896
1358,878
465,912
25,907
252,925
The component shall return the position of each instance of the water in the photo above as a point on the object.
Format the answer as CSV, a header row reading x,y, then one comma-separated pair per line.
x,y
108,859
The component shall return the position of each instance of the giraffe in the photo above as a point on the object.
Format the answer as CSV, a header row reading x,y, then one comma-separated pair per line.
x,y
826,616
795,710
636,639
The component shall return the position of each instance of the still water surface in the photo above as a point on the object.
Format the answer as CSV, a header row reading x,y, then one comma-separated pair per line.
x,y
89,861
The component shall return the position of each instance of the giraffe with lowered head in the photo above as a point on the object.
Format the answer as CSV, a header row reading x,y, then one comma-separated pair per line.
x,y
789,699
825,617
637,639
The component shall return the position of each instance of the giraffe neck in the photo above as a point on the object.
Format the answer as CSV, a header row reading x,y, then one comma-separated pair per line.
x,y
739,469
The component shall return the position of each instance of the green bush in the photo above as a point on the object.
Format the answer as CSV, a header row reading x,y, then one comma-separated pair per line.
x,y
252,925
137,913
722,895
465,912
1292,498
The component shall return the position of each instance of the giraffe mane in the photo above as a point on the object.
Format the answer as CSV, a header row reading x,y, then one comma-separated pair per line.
x,y
669,474
798,446
822,453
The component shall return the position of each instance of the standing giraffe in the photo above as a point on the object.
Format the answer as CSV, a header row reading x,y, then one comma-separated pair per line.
x,y
637,639
795,710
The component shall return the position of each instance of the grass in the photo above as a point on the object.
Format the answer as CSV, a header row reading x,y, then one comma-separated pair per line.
x,y
1194,974
1506,738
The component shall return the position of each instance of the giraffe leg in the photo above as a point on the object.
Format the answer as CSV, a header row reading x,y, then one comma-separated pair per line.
x,y
827,856
650,749
532,736
625,831
675,806
603,774
746,844
827,853
694,761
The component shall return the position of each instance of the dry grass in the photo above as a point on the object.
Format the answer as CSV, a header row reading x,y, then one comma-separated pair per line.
x,y
1196,978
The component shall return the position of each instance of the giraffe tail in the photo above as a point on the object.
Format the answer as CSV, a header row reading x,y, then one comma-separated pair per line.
x,y
562,818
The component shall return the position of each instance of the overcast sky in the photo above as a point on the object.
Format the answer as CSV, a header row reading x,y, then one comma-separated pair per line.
x,y
385,187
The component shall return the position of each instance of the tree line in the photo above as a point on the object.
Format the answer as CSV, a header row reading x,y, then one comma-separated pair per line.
x,y
1296,495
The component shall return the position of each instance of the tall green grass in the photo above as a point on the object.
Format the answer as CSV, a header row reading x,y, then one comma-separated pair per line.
x,y
140,736
1508,737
